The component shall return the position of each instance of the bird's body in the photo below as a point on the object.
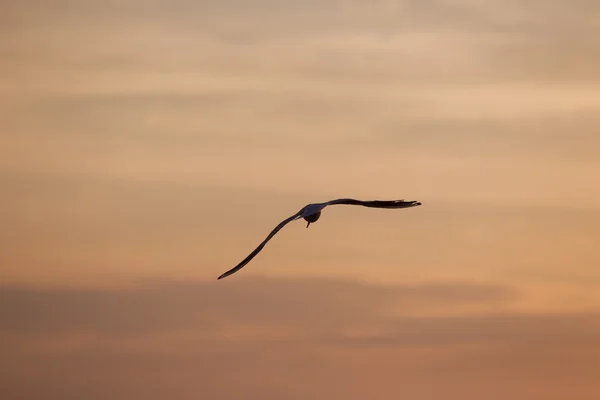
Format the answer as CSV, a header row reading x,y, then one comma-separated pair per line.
x,y
312,212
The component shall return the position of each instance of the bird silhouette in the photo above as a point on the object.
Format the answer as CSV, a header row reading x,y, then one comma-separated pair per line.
x,y
312,212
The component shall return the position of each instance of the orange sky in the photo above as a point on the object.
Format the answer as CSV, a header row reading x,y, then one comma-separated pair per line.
x,y
146,147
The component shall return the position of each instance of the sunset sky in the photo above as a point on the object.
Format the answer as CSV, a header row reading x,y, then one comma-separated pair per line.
x,y
148,146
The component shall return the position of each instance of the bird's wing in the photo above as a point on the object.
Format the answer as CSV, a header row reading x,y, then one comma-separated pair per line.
x,y
260,246
376,203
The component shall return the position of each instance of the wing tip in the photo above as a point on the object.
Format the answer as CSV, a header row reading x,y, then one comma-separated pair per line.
x,y
408,203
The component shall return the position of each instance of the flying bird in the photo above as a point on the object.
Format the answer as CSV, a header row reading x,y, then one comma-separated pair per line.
x,y
312,212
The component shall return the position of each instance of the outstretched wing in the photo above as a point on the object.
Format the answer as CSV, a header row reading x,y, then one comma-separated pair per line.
x,y
260,246
376,203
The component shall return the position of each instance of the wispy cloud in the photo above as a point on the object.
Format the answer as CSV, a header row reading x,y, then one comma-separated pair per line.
x,y
303,305
266,336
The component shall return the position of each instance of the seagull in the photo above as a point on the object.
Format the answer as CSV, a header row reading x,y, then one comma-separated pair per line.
x,y
311,213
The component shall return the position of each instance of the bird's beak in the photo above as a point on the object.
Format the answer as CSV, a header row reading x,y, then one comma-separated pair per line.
x,y
307,224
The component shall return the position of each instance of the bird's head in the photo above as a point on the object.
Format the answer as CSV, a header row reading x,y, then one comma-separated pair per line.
x,y
312,218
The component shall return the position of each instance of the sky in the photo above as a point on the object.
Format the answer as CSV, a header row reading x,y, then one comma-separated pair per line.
x,y
146,147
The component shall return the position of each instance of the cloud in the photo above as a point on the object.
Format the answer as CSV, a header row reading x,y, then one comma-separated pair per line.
x,y
567,136
502,330
262,338
408,41
302,304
